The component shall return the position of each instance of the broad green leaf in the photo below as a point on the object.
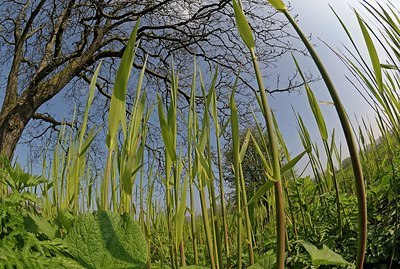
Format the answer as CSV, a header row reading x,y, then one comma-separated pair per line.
x,y
107,240
324,256
268,262
243,26
37,224
277,4
66,262
65,218
257,266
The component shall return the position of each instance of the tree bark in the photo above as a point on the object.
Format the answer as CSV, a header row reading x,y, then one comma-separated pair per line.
x,y
12,125
48,43
16,112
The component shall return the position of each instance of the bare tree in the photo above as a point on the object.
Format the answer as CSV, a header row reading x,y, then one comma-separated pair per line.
x,y
49,45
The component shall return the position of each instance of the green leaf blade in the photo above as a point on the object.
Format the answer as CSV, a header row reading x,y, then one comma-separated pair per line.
x,y
243,26
372,53
277,4
117,112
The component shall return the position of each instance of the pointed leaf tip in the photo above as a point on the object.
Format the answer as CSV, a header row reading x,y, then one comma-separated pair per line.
x,y
277,4
243,26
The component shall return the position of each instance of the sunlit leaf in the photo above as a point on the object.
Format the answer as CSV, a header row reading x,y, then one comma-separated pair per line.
x,y
261,191
372,53
314,105
277,4
324,256
117,114
243,26
292,162
245,145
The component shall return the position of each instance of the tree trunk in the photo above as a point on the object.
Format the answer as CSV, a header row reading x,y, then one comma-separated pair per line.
x,y
17,110
12,123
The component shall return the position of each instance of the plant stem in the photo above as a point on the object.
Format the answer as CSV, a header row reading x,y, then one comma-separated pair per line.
x,y
213,202
104,195
193,226
247,218
280,211
222,196
207,227
328,153
351,142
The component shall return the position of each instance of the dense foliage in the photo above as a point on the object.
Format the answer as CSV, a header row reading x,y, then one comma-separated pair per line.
x,y
30,239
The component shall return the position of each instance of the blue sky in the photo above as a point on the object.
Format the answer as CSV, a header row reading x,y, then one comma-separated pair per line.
x,y
316,18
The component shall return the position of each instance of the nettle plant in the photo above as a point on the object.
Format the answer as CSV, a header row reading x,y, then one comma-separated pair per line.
x,y
30,239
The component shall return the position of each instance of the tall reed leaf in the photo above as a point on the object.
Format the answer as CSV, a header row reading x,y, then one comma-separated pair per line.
x,y
314,105
244,146
168,140
292,162
180,214
261,191
265,108
88,104
243,26
85,144
236,168
372,53
117,112
277,4
350,139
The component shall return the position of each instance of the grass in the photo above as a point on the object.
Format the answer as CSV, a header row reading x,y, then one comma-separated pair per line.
x,y
267,228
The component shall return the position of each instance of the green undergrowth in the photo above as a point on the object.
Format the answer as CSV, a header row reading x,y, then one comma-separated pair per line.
x,y
29,239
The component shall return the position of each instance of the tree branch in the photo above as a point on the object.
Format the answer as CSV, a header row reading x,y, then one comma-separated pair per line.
x,y
49,119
